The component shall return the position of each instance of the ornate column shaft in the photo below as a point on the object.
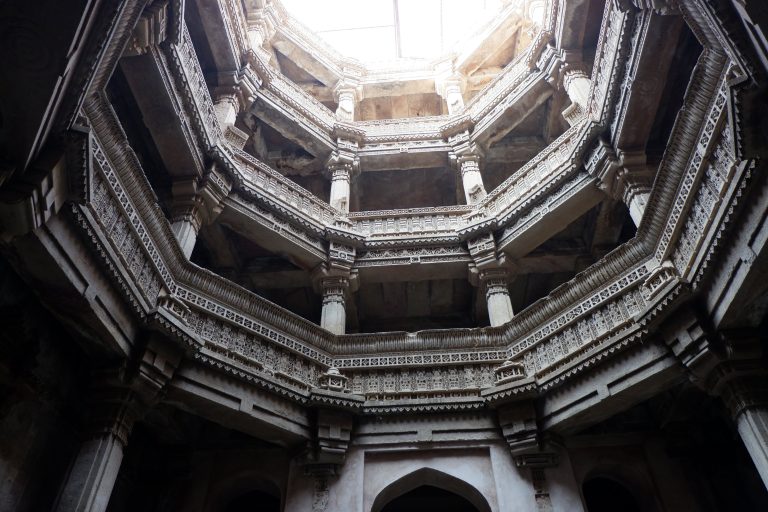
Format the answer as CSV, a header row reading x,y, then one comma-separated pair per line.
x,y
474,190
577,84
494,281
626,177
341,167
347,95
196,203
341,178
453,97
731,366
227,107
747,399
450,90
633,182
91,478
186,214
260,31
334,314
636,197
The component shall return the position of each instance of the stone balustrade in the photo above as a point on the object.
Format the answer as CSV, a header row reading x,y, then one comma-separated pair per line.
x,y
231,326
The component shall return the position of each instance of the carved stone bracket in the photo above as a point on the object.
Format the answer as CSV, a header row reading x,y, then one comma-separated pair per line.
x,y
150,30
196,202
334,424
342,166
732,367
335,283
347,93
466,157
450,86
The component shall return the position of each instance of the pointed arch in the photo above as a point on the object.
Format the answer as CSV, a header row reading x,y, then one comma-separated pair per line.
x,y
431,477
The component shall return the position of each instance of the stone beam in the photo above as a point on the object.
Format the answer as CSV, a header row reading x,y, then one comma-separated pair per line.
x,y
572,22
81,297
148,81
634,376
495,127
304,60
651,65
223,48
573,200
738,296
275,235
520,149
36,87
413,271
389,159
278,279
305,134
236,404
501,39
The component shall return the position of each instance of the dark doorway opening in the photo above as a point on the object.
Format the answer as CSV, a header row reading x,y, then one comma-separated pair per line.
x,y
428,497
606,495
254,501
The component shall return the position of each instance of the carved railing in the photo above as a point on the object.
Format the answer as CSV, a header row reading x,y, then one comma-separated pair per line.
x,y
184,55
406,128
410,222
600,306
299,99
258,176
302,207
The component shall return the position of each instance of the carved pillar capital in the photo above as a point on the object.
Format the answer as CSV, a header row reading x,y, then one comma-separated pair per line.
x,y
577,84
196,202
186,212
495,284
157,360
450,88
348,94
334,289
150,30
112,410
331,442
471,178
341,167
334,284
261,30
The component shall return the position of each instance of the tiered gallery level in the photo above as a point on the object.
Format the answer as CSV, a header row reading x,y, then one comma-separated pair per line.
x,y
241,271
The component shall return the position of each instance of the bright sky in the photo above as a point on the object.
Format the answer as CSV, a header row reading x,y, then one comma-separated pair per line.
x,y
374,30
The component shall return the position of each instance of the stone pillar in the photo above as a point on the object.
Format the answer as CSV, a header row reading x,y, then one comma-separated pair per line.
x,y
196,202
347,95
747,399
450,90
227,107
260,31
636,197
625,177
633,182
334,313
88,485
340,187
494,281
341,167
474,190
185,213
752,425
577,85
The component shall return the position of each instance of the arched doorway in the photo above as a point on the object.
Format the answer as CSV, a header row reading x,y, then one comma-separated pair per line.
x,y
430,489
254,501
607,495
428,497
